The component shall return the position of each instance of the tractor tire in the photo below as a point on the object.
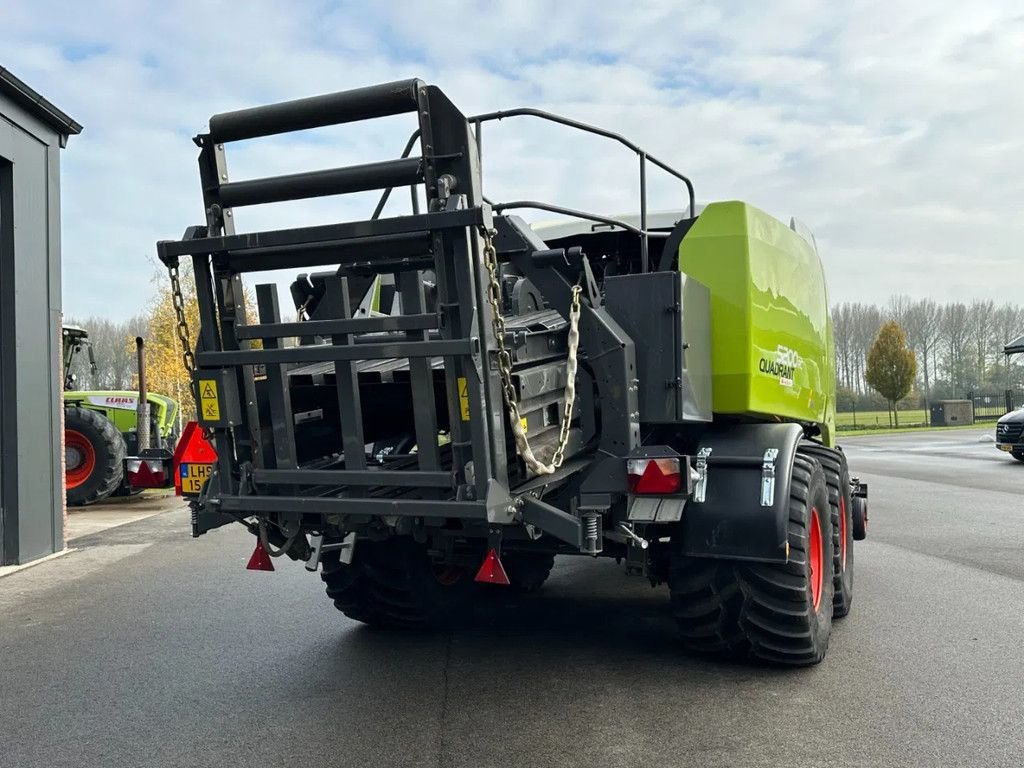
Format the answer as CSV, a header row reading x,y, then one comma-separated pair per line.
x,y
780,613
346,586
393,584
860,519
840,499
93,455
527,571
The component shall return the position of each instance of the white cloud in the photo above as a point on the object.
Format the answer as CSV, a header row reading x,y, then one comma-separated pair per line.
x,y
893,130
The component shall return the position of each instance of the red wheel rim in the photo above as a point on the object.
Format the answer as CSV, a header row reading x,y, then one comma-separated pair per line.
x,y
448,575
815,558
842,531
79,458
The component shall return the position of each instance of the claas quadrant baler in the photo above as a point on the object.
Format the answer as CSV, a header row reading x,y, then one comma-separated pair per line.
x,y
454,397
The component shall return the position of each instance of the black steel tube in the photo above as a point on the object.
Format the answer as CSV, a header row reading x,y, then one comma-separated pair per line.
x,y
566,212
358,506
316,111
418,322
689,184
362,477
412,227
334,181
643,211
400,251
387,192
319,353
586,127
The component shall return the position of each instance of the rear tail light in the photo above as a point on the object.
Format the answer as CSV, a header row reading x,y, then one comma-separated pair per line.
x,y
147,473
656,477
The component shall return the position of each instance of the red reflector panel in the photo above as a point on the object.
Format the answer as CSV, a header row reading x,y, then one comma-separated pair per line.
x,y
196,457
492,571
260,560
656,477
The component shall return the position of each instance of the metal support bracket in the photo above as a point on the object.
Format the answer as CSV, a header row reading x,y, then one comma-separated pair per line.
x,y
317,548
700,487
768,477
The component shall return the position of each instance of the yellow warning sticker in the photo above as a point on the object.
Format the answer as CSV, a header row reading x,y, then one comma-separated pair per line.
x,y
464,398
522,423
209,404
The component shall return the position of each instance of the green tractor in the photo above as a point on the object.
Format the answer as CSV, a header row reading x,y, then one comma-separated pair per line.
x,y
101,442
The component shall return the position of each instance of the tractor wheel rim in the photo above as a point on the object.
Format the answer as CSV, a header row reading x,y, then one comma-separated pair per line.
x,y
842,532
80,458
815,559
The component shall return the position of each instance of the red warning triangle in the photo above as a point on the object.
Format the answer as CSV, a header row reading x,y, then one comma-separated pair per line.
x,y
492,571
260,560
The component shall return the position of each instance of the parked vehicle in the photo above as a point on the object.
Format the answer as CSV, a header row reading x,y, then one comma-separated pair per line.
x,y
102,455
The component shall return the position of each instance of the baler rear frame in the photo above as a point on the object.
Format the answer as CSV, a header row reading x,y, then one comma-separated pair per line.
x,y
258,469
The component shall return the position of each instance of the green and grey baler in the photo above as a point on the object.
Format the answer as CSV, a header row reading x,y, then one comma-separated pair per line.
x,y
464,397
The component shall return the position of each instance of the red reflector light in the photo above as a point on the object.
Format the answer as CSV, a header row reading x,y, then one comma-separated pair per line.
x,y
260,560
492,571
656,477
146,473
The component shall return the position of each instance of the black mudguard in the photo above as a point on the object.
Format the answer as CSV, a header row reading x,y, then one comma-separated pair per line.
x,y
731,523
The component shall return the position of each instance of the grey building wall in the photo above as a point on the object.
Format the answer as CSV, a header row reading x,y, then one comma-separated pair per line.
x,y
31,484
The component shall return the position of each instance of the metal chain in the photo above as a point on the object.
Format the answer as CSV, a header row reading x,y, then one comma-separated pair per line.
x,y
505,366
178,301
187,357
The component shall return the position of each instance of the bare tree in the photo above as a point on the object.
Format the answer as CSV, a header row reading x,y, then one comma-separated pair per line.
x,y
980,317
867,320
898,308
956,338
921,321
842,332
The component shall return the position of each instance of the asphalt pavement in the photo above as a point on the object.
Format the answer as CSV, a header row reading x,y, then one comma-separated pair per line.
x,y
147,648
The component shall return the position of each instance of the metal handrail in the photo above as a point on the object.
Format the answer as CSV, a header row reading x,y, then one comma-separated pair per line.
x,y
644,157
499,207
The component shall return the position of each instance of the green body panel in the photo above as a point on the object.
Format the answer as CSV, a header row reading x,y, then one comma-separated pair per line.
x,y
772,350
120,407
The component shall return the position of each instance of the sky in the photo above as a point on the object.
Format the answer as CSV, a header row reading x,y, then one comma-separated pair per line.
x,y
892,130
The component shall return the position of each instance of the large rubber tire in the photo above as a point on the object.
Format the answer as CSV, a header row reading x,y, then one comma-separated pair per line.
x,y
527,571
778,613
393,584
94,455
860,519
837,476
346,586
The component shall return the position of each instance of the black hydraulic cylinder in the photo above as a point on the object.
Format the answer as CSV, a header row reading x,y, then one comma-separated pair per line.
x,y
334,181
316,111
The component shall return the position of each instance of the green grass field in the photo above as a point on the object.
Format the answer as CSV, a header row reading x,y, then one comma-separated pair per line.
x,y
868,419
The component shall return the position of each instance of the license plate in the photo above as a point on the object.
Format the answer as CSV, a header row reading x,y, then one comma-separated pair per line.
x,y
193,476
1004,447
